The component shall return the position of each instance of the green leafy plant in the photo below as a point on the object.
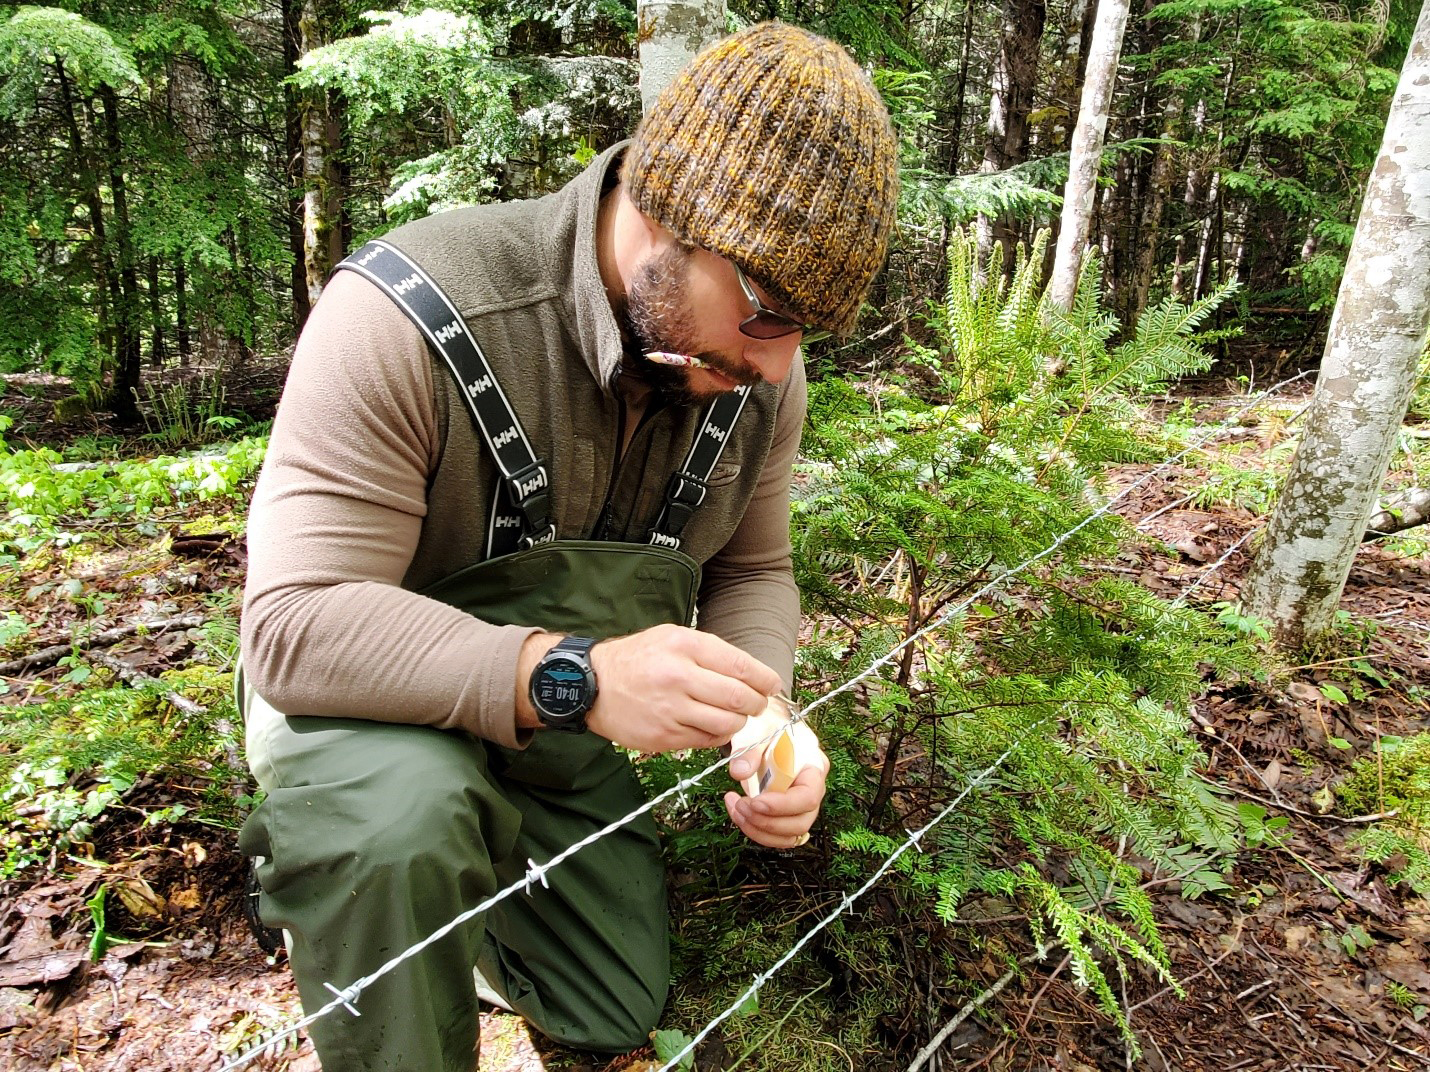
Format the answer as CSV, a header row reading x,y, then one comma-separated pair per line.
x,y
1396,778
922,487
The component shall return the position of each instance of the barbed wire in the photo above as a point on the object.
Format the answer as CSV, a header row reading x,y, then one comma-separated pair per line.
x,y
849,898
536,873
916,836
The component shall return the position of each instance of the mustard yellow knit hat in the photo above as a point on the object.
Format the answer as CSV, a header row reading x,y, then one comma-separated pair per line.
x,y
774,149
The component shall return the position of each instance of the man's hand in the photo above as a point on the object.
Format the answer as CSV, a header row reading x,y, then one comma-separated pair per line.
x,y
670,687
778,820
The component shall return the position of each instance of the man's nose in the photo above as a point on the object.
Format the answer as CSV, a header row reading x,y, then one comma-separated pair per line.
x,y
772,358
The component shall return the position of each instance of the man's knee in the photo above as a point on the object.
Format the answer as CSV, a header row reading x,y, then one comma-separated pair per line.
x,y
382,810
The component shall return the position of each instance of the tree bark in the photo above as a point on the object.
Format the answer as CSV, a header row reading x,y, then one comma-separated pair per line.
x,y
1377,336
158,349
955,126
671,34
322,180
181,311
127,371
105,269
1086,154
293,162
1015,75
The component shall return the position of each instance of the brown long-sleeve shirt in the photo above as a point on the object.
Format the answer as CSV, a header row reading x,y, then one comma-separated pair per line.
x,y
376,484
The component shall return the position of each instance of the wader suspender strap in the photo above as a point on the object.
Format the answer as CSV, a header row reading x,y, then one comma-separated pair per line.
x,y
521,508
689,484
522,513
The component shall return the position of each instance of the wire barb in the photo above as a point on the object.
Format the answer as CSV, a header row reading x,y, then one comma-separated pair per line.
x,y
349,994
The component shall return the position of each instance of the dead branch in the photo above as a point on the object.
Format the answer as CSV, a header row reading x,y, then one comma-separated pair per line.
x,y
38,660
136,678
1407,510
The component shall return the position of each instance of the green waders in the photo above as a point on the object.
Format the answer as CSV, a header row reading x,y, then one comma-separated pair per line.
x,y
373,835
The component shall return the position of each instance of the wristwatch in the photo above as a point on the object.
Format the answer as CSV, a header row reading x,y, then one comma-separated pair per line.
x,y
563,685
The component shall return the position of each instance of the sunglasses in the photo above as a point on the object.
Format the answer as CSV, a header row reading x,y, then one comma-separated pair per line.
x,y
766,323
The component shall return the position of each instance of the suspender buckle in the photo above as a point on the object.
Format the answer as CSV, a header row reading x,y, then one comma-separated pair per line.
x,y
683,497
530,489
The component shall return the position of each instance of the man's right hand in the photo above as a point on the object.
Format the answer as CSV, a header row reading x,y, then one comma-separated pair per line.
x,y
669,687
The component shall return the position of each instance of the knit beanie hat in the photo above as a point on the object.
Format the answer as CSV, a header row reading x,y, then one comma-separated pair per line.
x,y
773,149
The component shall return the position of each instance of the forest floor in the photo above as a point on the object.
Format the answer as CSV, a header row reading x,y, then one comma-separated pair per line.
x,y
1309,960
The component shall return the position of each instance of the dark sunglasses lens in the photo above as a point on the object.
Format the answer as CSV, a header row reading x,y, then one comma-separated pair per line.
x,y
767,325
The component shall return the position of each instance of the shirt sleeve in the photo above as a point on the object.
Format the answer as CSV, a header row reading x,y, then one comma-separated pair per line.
x,y
748,595
327,629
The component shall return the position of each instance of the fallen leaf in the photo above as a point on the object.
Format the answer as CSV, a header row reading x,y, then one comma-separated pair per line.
x,y
186,899
1272,774
1295,937
45,968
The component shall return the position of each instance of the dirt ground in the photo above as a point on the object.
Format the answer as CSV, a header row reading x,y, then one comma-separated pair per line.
x,y
1272,982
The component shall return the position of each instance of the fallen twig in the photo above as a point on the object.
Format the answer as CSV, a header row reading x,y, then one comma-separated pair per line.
x,y
38,660
963,1014
138,679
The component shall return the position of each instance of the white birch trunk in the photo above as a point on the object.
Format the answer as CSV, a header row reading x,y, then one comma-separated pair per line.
x,y
671,35
1087,149
1377,335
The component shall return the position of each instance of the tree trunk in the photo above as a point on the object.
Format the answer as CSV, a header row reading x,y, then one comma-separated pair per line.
x,y
127,369
1377,336
158,350
322,182
105,271
291,14
1015,74
671,34
1068,74
181,311
1087,150
955,125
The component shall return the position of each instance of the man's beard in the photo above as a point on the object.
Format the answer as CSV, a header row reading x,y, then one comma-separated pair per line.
x,y
657,315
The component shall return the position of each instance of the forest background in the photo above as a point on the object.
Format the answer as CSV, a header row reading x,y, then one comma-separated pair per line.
x,y
176,184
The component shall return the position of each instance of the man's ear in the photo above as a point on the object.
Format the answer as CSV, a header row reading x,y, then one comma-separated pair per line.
x,y
650,234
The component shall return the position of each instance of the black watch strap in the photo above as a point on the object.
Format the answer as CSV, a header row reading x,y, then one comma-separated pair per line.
x,y
564,714
578,645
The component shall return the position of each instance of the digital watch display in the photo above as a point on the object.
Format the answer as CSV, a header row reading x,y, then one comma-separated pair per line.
x,y
563,685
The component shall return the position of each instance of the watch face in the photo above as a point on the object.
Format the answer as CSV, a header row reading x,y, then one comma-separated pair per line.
x,y
561,688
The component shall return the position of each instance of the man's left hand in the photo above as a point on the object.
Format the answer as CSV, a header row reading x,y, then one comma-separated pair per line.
x,y
779,820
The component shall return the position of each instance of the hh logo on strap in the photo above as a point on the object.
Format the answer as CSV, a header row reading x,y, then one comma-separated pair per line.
x,y
501,439
403,286
476,387
450,332
370,255
526,487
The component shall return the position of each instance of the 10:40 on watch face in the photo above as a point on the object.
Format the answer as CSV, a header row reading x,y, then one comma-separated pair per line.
x,y
562,689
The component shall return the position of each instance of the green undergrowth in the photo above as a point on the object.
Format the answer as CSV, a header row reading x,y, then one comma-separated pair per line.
x,y
69,760
1394,781
80,746
47,499
1064,693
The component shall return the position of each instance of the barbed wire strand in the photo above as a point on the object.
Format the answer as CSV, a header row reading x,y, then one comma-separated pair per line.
x,y
848,901
916,836
345,997
913,840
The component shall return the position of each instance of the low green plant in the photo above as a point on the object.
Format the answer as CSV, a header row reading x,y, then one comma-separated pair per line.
x,y
1395,778
188,413
64,762
923,487
46,501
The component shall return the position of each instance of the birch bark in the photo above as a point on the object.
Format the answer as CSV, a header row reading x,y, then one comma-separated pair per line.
x,y
1377,336
670,36
1087,149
